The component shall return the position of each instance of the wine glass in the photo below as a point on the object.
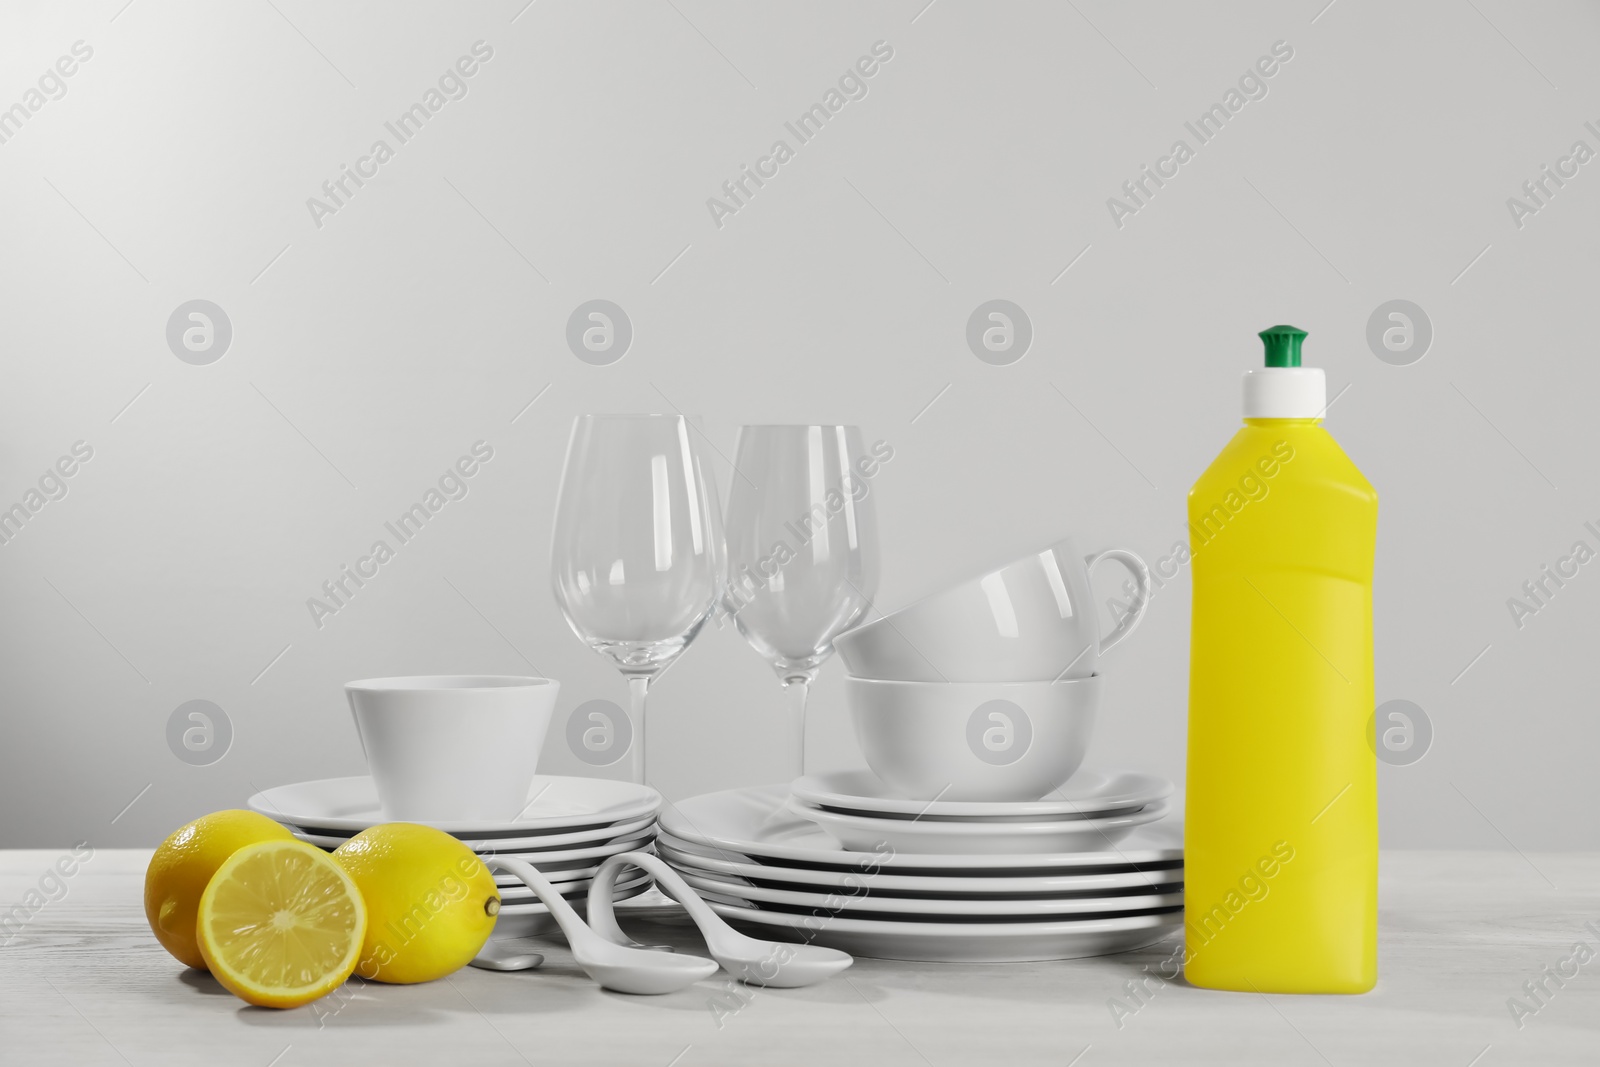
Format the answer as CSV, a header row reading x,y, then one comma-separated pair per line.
x,y
636,557
802,549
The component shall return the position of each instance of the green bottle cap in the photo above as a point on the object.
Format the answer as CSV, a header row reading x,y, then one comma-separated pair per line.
x,y
1283,345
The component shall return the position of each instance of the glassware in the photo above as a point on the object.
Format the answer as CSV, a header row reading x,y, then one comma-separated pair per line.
x,y
636,556
802,548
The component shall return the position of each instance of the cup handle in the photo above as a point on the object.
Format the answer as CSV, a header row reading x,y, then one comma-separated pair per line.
x,y
1141,580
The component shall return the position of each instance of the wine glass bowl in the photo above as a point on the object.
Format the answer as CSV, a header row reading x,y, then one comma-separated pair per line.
x,y
636,554
802,547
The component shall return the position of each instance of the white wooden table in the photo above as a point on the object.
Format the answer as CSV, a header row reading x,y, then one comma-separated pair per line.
x,y
82,982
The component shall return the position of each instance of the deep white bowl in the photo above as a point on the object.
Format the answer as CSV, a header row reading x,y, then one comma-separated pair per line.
x,y
1031,619
973,740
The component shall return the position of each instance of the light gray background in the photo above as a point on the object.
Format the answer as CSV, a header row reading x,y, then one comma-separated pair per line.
x,y
370,353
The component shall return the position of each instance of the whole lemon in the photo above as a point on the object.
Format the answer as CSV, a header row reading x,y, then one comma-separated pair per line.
x,y
431,902
184,864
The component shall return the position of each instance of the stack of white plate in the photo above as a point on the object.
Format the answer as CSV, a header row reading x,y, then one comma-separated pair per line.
x,y
568,828
843,862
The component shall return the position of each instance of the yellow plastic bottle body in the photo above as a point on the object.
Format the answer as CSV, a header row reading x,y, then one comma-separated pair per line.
x,y
1281,830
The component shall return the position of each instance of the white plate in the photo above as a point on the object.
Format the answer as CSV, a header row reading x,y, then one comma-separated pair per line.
x,y
925,885
870,833
958,942
533,920
567,870
539,843
538,858
870,906
521,896
555,803
756,824
1086,794
510,883
571,874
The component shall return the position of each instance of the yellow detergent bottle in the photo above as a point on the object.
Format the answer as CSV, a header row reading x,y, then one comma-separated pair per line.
x,y
1281,828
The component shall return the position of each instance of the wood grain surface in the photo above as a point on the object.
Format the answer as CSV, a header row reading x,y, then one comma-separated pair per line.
x,y
82,982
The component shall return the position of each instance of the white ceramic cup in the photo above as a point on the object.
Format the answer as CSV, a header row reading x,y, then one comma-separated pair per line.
x,y
1033,619
452,747
973,740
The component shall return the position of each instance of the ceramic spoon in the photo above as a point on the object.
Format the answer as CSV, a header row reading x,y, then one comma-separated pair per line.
x,y
764,963
626,970
496,957
619,936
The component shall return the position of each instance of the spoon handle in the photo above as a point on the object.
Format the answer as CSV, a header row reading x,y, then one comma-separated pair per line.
x,y
565,916
602,913
602,902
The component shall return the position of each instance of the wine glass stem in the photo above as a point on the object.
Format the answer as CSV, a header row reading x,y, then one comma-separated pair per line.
x,y
637,688
798,690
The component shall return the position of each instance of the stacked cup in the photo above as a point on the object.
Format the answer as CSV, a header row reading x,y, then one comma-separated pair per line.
x,y
988,689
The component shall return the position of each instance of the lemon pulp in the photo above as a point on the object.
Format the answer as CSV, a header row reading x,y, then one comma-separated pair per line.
x,y
280,924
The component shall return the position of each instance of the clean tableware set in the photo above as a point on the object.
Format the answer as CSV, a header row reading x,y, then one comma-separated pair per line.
x,y
553,839
568,828
758,858
459,752
974,836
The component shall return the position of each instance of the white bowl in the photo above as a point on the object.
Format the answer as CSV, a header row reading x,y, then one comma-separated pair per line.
x,y
449,747
1032,619
973,740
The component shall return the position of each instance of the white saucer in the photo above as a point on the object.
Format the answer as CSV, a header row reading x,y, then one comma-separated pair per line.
x,y
1087,793
959,942
536,843
538,857
757,824
871,833
555,803
871,905
972,883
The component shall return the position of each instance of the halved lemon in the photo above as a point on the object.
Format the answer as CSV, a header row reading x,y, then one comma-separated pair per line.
x,y
280,924
184,865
